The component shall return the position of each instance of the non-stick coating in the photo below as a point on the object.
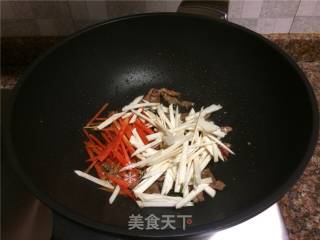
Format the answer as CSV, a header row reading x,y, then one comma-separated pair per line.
x,y
265,97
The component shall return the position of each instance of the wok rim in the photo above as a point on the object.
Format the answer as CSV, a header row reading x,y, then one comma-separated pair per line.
x,y
240,217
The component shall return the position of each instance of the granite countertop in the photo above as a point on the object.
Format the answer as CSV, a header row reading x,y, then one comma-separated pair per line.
x,y
300,207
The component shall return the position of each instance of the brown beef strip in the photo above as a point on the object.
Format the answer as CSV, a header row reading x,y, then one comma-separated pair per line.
x,y
170,96
226,129
207,173
161,178
154,188
153,95
225,152
199,198
186,104
216,184
184,115
174,100
169,92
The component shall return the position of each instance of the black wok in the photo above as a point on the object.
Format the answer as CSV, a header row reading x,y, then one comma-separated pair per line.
x,y
266,98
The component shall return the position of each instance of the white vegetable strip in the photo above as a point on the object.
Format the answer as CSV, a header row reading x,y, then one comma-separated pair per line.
x,y
127,115
197,171
167,184
172,118
191,195
98,181
212,108
188,176
208,110
154,136
145,147
177,117
166,153
161,204
110,120
114,194
148,125
221,144
195,134
156,197
182,164
146,183
144,117
151,115
205,162
137,138
217,152
207,180
136,100
138,105
157,170
163,117
185,190
210,191
134,117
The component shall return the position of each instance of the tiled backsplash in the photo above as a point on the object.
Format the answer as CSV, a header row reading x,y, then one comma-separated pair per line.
x,y
55,18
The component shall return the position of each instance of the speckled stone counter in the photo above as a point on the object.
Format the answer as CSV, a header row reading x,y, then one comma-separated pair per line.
x,y
300,207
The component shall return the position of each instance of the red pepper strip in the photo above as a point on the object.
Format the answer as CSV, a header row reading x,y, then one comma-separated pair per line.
x,y
128,145
115,144
91,165
120,158
224,152
109,134
105,137
125,153
92,159
101,118
128,132
128,193
98,113
97,141
116,126
143,127
86,133
96,151
122,184
90,153
142,136
94,146
100,171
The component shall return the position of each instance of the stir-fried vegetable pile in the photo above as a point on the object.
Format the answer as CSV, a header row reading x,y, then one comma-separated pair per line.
x,y
156,150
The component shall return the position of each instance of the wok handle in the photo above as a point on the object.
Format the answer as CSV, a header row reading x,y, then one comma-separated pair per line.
x,y
213,9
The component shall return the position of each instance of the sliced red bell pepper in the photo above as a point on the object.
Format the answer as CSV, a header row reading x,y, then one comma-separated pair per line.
x,y
89,151
115,144
98,113
94,162
86,133
116,180
142,136
124,151
106,138
128,145
121,159
100,172
96,140
143,127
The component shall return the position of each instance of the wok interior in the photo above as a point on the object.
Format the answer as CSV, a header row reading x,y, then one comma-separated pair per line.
x,y
263,97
